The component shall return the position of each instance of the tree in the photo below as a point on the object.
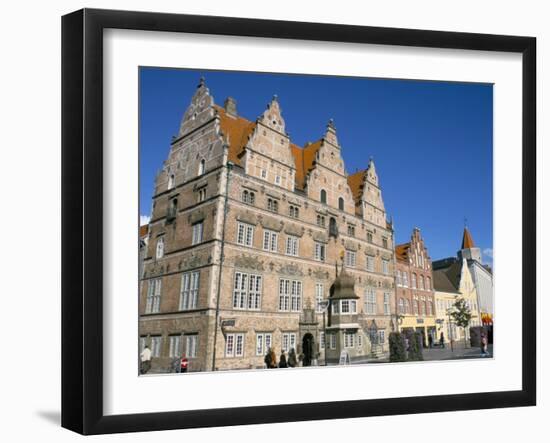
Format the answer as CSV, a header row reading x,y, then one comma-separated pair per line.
x,y
461,314
397,347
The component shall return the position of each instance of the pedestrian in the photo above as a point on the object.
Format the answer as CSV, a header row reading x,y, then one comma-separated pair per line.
x,y
267,359
292,362
273,359
184,364
145,358
442,340
484,343
282,360
430,341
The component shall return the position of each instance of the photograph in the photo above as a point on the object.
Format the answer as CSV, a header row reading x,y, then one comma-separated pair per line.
x,y
289,221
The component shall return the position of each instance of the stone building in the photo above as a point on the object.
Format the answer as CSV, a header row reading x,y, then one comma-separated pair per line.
x,y
245,231
414,287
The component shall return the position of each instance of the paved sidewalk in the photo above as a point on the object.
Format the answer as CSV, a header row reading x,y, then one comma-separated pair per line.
x,y
458,352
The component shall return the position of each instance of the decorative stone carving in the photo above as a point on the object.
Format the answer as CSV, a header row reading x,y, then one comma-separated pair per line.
x,y
293,229
350,245
371,282
320,237
290,269
197,216
386,284
270,223
320,275
249,262
370,251
247,217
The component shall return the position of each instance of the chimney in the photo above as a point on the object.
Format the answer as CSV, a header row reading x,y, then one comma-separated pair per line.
x,y
230,106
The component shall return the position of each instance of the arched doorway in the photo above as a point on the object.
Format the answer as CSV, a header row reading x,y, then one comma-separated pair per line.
x,y
307,348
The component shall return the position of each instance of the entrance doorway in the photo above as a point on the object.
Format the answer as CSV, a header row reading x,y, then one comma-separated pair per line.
x,y
307,348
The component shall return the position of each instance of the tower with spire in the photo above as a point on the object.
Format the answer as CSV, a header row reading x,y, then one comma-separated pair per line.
x,y
468,248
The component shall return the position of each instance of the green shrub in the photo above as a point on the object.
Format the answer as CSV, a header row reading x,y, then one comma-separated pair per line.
x,y
415,347
397,347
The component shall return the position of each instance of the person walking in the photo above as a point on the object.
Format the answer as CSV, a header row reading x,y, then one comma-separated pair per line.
x,y
282,360
267,359
430,341
292,362
442,340
484,343
145,358
273,357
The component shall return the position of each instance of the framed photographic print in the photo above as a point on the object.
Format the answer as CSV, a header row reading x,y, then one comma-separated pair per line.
x,y
271,221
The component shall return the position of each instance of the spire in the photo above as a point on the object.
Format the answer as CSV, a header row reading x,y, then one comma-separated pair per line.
x,y
199,110
272,116
330,133
372,176
467,241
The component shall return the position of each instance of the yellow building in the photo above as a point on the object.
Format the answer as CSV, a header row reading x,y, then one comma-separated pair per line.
x,y
453,280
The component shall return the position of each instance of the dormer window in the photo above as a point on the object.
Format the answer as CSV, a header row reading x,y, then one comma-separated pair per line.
x,y
202,166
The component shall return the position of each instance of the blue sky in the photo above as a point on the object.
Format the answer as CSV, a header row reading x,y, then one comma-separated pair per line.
x,y
431,141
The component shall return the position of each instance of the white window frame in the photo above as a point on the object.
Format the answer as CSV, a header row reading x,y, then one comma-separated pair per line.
x,y
245,234
271,239
202,167
290,295
370,263
191,345
263,342
387,307
292,245
175,346
189,290
247,291
349,340
319,297
320,251
351,258
405,279
154,292
156,345
385,266
332,341
232,344
288,341
370,301
198,230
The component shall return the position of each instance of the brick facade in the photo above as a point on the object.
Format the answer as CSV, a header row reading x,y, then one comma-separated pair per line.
x,y
284,216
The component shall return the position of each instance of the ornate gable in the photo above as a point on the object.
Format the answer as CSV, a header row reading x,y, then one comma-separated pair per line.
x,y
199,111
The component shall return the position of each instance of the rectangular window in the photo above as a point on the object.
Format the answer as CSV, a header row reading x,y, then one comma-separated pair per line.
x,y
245,234
386,303
272,205
319,296
175,346
152,305
263,343
359,340
332,341
385,242
349,339
385,266
351,230
189,290
191,345
290,295
398,277
381,336
321,221
351,259
197,233
234,345
370,301
405,279
201,195
142,343
292,245
288,341
270,241
369,237
370,263
156,342
320,250
247,291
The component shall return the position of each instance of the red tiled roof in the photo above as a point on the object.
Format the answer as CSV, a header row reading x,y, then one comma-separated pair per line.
x,y
355,182
143,230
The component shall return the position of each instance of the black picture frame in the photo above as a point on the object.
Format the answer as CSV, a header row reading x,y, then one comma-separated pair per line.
x,y
82,218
